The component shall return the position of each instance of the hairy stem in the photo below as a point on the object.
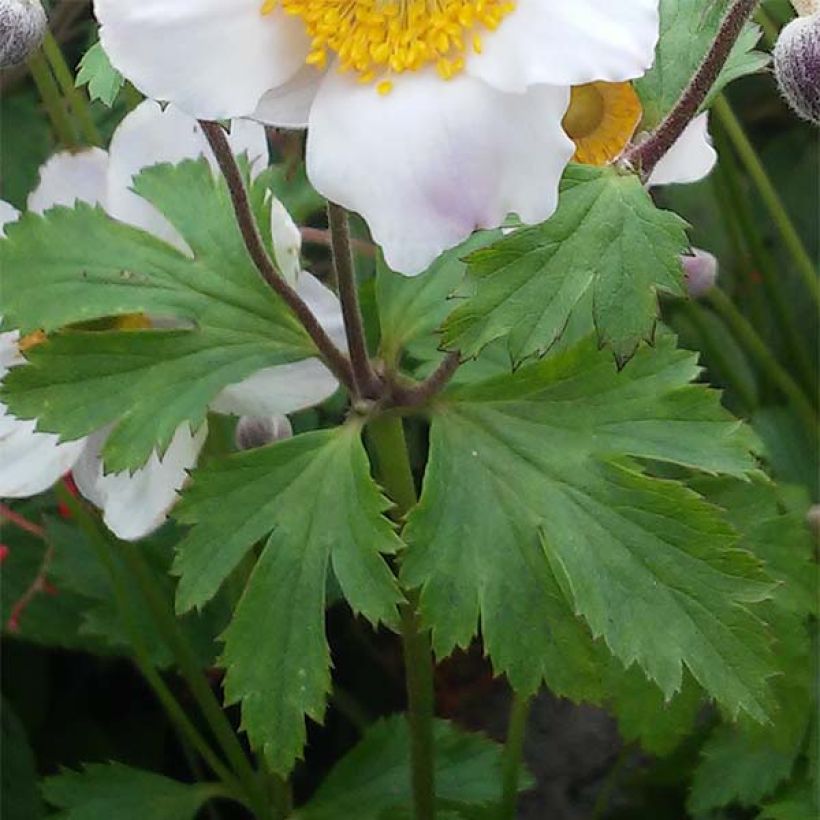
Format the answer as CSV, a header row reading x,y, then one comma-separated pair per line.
x,y
386,435
647,154
367,383
513,756
333,357
771,199
421,393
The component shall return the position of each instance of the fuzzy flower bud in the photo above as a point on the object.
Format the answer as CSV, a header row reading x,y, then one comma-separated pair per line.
x,y
700,271
797,64
23,25
258,431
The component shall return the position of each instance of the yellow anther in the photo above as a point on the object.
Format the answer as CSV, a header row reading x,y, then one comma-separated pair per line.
x,y
380,39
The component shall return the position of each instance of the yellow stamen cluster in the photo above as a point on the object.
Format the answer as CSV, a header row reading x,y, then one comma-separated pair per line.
x,y
380,38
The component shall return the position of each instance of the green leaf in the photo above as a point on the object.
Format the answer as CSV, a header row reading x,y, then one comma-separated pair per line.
x,y
103,80
413,307
688,28
112,790
606,236
78,265
314,497
530,487
19,798
800,802
372,782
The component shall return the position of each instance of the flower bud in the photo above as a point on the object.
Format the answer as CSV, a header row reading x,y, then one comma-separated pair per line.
x,y
258,431
797,65
23,25
700,271
287,242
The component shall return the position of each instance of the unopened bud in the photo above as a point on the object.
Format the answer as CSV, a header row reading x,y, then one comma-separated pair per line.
x,y
797,65
700,271
23,25
258,431
813,519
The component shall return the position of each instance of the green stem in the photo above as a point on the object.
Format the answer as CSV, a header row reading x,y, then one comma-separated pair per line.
x,y
141,655
769,27
52,100
76,97
200,688
183,654
758,351
386,435
771,198
765,263
713,352
513,756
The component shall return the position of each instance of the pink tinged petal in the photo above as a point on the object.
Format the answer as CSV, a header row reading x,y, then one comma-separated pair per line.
x,y
136,504
288,105
569,42
30,462
290,387
67,178
8,214
150,135
432,161
215,59
690,159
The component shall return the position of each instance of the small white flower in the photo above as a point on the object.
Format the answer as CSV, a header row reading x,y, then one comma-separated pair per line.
x,y
431,119
135,504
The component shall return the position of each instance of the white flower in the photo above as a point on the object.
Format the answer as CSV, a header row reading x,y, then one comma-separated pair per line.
x,y
135,504
431,118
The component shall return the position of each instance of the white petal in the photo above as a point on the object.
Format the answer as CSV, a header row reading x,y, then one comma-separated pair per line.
x,y
135,505
30,462
290,387
690,159
8,214
287,242
432,161
569,42
213,58
67,178
288,105
150,135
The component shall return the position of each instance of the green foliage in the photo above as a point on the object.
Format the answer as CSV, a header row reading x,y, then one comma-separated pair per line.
x,y
112,790
530,492
745,763
314,497
606,237
372,782
688,28
19,798
78,265
413,308
103,80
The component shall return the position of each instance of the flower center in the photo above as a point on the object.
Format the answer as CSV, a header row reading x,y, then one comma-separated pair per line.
x,y
380,38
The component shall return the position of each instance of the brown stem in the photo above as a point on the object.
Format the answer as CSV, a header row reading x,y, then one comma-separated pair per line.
x,y
367,383
646,155
333,357
420,394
